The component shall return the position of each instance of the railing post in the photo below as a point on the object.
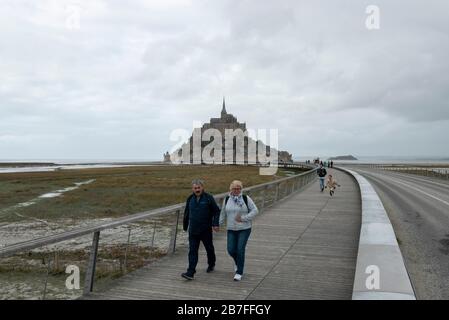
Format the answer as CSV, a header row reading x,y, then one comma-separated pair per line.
x,y
174,233
276,198
90,271
126,250
44,294
264,192
154,233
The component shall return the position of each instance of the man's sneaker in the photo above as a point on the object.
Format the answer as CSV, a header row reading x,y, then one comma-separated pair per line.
x,y
210,269
237,277
187,276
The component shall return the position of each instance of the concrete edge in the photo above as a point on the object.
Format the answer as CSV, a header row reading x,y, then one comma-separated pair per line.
x,y
379,295
378,252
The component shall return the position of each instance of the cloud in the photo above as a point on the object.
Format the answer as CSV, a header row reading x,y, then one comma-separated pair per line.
x,y
106,79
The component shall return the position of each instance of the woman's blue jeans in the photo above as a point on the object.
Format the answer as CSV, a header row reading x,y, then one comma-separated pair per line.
x,y
236,247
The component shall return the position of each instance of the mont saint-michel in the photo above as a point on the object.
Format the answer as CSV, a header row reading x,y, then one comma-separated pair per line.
x,y
226,140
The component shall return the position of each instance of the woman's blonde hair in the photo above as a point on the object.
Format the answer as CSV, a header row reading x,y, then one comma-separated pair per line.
x,y
236,183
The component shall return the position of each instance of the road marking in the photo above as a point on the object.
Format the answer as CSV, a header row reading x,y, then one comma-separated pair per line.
x,y
409,186
421,179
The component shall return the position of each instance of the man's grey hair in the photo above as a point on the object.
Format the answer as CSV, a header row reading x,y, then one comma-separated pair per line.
x,y
198,182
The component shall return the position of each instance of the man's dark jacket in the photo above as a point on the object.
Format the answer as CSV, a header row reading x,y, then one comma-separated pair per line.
x,y
321,172
201,215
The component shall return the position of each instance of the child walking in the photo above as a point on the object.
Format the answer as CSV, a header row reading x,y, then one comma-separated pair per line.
x,y
331,184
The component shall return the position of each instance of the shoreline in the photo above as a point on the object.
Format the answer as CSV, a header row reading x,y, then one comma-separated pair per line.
x,y
23,167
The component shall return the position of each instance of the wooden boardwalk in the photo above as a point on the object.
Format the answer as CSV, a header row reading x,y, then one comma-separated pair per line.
x,y
304,247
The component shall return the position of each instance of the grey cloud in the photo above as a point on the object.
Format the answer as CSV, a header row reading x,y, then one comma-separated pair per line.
x,y
135,72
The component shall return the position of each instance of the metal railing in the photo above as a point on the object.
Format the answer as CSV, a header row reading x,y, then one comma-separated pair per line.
x,y
264,195
441,173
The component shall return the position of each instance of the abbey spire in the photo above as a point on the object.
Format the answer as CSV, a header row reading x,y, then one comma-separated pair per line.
x,y
223,110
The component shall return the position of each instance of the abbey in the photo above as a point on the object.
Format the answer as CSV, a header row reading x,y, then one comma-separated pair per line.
x,y
230,150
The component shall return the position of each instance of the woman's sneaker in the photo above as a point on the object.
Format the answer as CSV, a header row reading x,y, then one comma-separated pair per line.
x,y
237,277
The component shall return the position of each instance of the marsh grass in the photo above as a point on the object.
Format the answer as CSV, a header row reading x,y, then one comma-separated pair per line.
x,y
116,191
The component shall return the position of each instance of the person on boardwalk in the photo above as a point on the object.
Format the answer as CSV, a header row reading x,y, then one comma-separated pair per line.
x,y
201,216
331,184
238,210
322,175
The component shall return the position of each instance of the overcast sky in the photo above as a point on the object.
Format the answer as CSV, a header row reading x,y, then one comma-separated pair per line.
x,y
112,79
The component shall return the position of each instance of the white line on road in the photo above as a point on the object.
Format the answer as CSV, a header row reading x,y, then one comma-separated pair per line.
x,y
420,179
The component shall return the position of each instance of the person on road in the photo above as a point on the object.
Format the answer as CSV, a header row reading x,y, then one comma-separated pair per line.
x,y
238,210
331,184
201,216
322,175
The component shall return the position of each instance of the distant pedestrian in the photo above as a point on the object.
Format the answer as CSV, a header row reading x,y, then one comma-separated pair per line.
x,y
201,216
332,163
238,210
331,184
322,175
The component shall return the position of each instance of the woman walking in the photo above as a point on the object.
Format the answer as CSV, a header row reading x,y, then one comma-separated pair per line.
x,y
238,210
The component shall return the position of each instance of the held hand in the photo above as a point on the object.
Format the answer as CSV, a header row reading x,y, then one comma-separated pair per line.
x,y
216,229
238,218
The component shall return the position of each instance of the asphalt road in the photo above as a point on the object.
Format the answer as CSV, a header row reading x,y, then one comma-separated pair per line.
x,y
418,208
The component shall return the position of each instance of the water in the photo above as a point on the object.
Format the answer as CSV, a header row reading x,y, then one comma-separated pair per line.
x,y
77,161
58,193
386,160
53,194
44,165
50,165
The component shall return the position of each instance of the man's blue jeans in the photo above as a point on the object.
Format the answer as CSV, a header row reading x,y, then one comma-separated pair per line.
x,y
322,183
236,247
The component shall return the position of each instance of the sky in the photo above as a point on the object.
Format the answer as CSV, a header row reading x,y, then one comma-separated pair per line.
x,y
112,79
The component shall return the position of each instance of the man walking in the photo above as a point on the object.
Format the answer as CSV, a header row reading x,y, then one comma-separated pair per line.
x,y
201,216
322,175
